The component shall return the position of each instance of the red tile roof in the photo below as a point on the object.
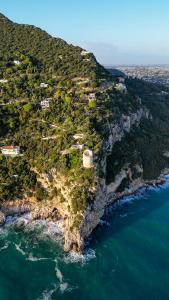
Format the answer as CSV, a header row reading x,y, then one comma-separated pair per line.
x,y
9,147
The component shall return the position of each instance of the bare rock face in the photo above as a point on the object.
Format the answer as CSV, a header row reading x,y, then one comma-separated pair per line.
x,y
106,194
2,218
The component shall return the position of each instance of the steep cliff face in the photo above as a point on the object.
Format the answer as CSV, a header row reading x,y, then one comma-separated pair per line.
x,y
78,226
104,194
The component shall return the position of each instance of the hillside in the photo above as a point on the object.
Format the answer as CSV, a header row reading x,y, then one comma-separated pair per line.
x,y
72,136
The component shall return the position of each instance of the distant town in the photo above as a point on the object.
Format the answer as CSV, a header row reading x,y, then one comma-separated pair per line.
x,y
158,74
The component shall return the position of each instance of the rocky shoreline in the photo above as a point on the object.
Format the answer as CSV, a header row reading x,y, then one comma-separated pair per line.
x,y
20,207
145,184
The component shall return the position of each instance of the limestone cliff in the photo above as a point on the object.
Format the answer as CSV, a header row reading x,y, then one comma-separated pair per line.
x,y
78,226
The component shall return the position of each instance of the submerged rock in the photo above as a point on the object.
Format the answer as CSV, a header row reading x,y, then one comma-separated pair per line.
x,y
2,218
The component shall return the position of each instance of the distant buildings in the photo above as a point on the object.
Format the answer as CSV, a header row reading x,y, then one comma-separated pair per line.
x,y
157,74
10,150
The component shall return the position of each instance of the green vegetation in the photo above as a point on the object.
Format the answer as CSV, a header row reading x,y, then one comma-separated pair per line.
x,y
146,144
35,67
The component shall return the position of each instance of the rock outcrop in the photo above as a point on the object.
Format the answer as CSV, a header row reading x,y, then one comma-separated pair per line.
x,y
2,218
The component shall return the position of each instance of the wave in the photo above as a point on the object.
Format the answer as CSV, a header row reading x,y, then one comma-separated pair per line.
x,y
33,258
4,247
47,294
3,232
73,257
63,286
59,275
19,249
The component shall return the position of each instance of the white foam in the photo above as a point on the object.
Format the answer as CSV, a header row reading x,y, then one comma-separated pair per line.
x,y
123,215
59,275
4,247
104,223
53,228
33,258
73,257
63,287
18,248
3,232
47,294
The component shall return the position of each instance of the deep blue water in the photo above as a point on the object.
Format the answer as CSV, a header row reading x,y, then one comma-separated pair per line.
x,y
129,259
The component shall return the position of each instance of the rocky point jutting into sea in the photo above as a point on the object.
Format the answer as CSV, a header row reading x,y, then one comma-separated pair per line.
x,y
74,137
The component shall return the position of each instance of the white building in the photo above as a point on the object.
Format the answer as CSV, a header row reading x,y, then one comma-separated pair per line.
x,y
45,104
17,62
3,80
10,150
88,159
77,146
44,85
84,53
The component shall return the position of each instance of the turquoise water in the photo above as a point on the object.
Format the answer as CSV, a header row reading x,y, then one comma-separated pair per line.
x,y
129,259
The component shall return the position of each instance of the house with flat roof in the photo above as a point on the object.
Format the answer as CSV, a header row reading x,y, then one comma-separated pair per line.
x,y
45,103
44,85
3,80
84,53
10,150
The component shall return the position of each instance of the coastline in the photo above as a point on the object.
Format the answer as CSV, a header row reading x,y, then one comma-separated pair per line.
x,y
132,191
22,215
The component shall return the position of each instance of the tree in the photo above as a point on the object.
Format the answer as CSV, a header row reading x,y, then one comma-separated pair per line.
x,y
28,107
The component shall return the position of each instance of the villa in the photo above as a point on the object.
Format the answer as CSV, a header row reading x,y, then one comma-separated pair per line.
x,y
45,104
10,150
84,53
3,80
43,85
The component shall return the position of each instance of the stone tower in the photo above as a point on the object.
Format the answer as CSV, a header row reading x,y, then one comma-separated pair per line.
x,y
88,159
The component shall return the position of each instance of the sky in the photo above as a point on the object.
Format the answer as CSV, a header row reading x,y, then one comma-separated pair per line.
x,y
117,32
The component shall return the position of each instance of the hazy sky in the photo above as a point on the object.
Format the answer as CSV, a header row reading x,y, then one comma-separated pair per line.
x,y
118,32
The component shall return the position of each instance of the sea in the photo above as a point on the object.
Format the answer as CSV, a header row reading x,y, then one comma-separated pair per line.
x,y
126,258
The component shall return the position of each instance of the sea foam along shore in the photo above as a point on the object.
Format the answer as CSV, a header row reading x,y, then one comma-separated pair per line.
x,y
161,182
138,186
55,230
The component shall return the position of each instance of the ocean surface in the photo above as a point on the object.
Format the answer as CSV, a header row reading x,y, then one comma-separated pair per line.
x,y
127,257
